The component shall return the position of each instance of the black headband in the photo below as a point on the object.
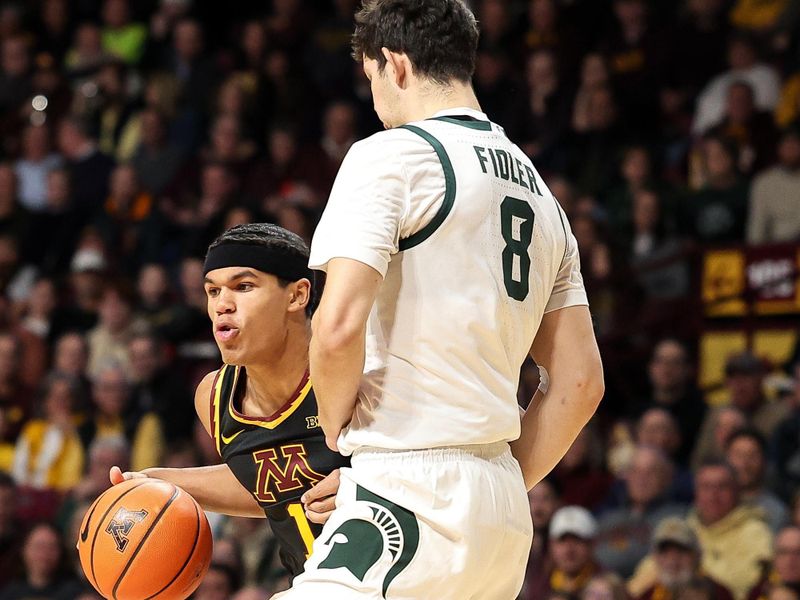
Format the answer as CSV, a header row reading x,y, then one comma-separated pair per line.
x,y
262,258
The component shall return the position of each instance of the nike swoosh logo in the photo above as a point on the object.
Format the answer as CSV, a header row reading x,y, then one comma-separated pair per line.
x,y
228,440
85,532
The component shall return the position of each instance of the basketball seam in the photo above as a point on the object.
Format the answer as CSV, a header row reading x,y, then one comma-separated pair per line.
x,y
175,493
97,530
91,549
188,558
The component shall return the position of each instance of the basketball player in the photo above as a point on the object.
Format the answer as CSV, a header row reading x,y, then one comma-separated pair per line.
x,y
448,261
260,406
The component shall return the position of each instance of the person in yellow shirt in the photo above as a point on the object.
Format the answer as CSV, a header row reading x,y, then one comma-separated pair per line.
x,y
48,453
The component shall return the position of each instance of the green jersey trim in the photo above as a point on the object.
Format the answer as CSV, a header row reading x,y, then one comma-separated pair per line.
x,y
449,191
470,123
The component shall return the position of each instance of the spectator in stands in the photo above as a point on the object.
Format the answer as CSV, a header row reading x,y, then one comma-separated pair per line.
x,y
89,169
115,417
736,543
676,559
157,161
672,387
752,130
129,222
785,566
774,215
572,533
544,123
10,528
53,30
746,452
158,388
658,428
86,54
744,380
44,567
624,532
595,146
33,329
16,399
121,37
33,166
154,294
15,65
49,454
784,447
606,586
745,65
219,583
634,49
580,474
719,425
717,211
186,60
13,219
59,223
116,325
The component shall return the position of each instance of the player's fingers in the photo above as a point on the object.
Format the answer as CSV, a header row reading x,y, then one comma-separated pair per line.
x,y
327,487
117,476
323,505
318,517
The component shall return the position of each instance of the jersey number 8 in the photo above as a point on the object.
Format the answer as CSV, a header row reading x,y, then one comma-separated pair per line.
x,y
518,240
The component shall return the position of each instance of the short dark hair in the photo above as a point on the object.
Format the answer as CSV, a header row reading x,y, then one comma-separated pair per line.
x,y
440,37
750,433
276,238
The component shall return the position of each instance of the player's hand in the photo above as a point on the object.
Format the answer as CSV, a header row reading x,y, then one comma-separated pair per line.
x,y
320,500
117,476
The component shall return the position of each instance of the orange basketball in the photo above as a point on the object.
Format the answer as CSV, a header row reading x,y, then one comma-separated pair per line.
x,y
145,538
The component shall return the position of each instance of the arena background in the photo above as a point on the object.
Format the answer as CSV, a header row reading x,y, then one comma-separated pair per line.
x,y
132,133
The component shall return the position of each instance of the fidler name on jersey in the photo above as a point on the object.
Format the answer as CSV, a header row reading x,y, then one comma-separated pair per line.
x,y
506,166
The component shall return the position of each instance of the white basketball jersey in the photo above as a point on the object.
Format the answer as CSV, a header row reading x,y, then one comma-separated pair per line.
x,y
474,249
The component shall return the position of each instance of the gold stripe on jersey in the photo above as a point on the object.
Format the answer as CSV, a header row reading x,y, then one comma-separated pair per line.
x,y
273,423
215,399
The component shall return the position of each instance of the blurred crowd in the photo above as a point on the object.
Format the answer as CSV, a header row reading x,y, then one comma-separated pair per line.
x,y
133,133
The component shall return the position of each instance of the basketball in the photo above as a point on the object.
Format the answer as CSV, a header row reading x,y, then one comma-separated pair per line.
x,y
145,538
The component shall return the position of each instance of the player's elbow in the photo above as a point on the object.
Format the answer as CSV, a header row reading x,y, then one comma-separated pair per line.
x,y
590,387
332,335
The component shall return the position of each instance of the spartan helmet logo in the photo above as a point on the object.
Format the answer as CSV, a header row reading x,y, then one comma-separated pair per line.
x,y
359,543
121,525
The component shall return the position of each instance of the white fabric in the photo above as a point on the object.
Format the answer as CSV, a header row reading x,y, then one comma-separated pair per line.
x,y
710,111
445,341
474,525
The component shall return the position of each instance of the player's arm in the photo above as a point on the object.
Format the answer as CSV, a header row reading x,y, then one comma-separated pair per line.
x,y
338,341
214,487
565,346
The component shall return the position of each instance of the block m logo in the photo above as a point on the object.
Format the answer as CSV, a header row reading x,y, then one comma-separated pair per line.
x,y
284,473
121,525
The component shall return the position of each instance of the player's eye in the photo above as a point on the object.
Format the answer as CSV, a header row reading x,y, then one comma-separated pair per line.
x,y
212,292
244,287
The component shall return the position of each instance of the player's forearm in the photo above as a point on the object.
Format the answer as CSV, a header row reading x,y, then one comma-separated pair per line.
x,y
550,425
337,362
215,488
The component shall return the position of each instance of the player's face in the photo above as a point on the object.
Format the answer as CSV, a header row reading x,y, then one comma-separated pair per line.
x,y
248,312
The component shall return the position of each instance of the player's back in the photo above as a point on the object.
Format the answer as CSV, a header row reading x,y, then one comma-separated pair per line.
x,y
463,298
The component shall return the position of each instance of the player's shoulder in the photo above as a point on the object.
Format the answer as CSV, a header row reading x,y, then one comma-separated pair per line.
x,y
388,144
202,395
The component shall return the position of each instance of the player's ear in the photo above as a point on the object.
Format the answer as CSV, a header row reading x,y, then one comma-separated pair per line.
x,y
398,67
299,295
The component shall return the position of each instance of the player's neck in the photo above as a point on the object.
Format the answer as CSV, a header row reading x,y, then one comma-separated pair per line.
x,y
436,98
272,383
